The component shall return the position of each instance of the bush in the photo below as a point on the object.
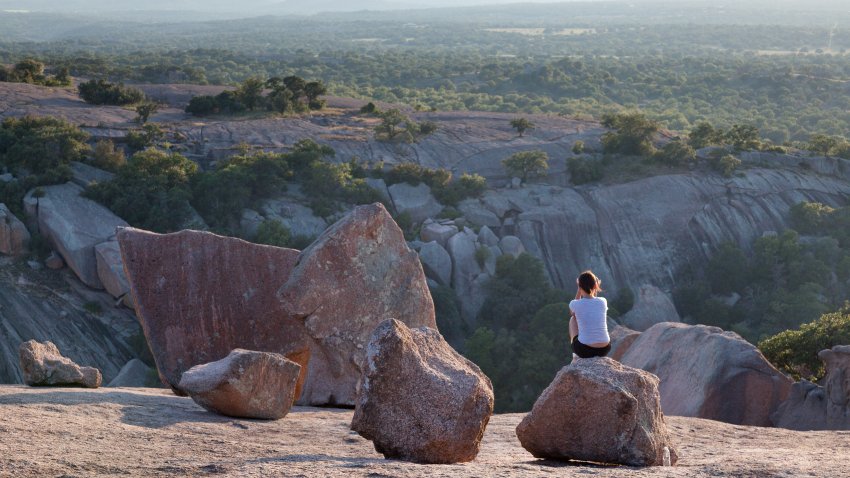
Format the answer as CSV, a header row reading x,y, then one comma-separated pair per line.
x,y
633,133
147,136
578,147
151,191
40,145
585,170
100,92
273,233
106,157
727,165
796,351
810,217
482,254
370,109
676,153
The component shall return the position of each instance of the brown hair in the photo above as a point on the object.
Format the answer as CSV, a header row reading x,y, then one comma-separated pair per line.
x,y
589,282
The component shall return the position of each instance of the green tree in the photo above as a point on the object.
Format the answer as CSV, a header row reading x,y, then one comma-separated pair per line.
x,y
107,157
521,125
145,110
633,133
391,121
527,164
578,147
273,233
743,137
676,153
250,92
313,90
704,134
40,144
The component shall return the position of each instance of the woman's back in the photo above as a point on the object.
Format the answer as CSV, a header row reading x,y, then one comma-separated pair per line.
x,y
591,315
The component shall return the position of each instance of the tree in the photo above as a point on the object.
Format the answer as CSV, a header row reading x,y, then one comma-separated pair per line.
x,y
521,125
273,233
743,137
391,121
312,91
250,93
634,133
727,165
296,85
578,147
107,157
676,153
29,71
40,144
145,110
704,134
100,92
527,164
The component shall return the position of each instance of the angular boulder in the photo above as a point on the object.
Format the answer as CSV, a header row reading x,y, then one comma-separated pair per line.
x,y
134,374
437,232
245,384
415,200
44,366
708,373
74,225
652,306
465,268
14,236
814,407
357,274
599,410
419,399
476,213
512,246
110,269
198,296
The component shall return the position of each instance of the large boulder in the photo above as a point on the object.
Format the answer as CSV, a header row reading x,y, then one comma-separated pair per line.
x,y
244,384
110,269
478,214
14,236
198,296
357,274
436,262
420,400
465,268
652,306
74,225
814,407
44,366
599,410
621,339
415,200
133,374
298,218
708,373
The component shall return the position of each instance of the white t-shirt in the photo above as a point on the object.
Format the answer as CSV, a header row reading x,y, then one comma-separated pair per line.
x,y
591,315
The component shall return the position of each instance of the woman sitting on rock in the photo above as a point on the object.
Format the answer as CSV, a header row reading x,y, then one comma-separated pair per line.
x,y
588,321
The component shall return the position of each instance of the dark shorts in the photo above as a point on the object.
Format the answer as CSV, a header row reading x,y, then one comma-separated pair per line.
x,y
586,351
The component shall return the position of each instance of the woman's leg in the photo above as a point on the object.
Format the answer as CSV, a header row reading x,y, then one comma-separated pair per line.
x,y
573,328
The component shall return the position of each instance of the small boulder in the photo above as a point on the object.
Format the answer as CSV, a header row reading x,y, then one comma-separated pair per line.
x,y
652,306
14,236
436,262
43,366
599,410
415,200
512,246
487,237
133,374
419,399
437,232
244,384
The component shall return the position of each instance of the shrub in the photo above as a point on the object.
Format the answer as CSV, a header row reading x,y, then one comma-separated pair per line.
x,y
810,217
585,170
40,145
101,92
369,109
106,157
578,147
676,153
148,135
521,125
727,165
633,133
273,233
482,254
795,351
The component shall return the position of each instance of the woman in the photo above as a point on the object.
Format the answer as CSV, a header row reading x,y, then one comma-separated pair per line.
x,y
588,321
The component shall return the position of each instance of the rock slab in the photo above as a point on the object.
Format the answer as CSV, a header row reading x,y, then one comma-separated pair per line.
x,y
420,400
198,296
245,384
44,366
14,236
134,374
599,410
708,373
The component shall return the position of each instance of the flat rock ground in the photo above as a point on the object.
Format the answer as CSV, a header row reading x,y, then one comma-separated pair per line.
x,y
148,432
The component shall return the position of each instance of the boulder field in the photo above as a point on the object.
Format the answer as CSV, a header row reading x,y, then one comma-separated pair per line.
x,y
198,296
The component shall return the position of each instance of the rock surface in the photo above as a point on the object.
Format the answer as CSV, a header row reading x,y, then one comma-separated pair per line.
x,y
598,410
814,407
44,366
14,236
436,262
148,432
244,384
652,306
621,339
305,306
437,232
74,225
132,375
419,399
708,373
